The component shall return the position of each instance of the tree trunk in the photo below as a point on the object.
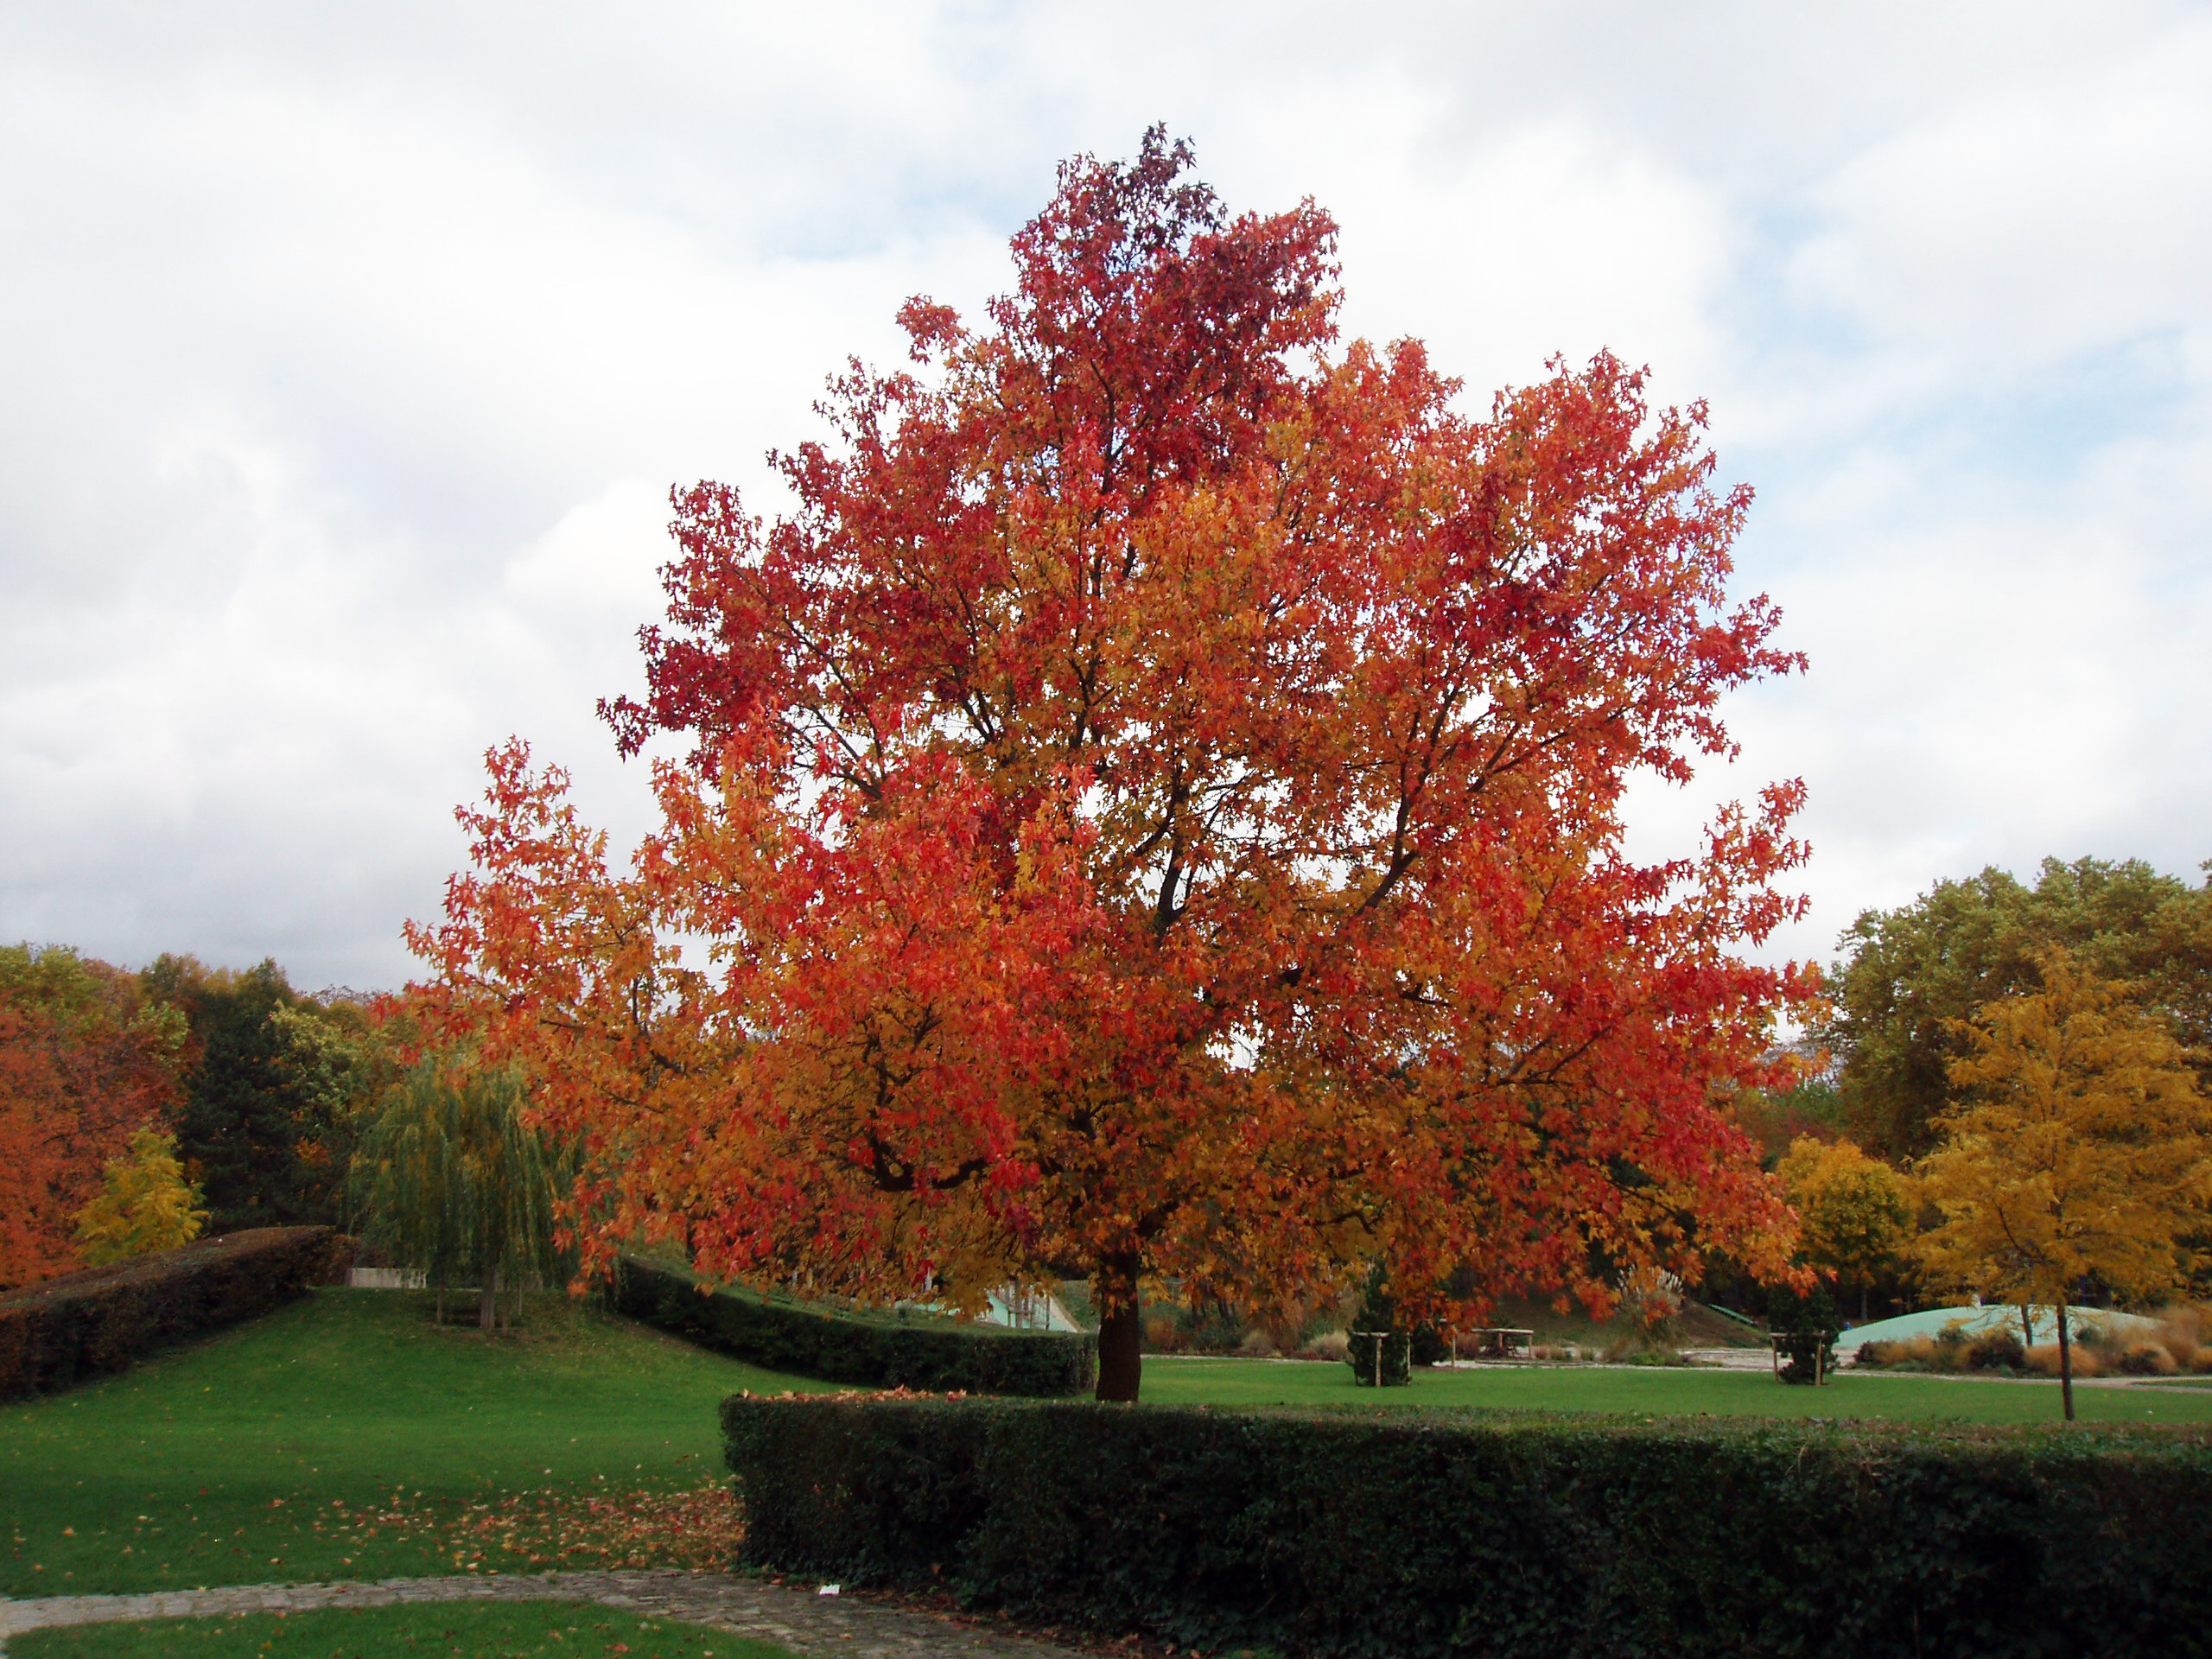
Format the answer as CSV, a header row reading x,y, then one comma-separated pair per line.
x,y
2065,1361
487,1303
2027,1325
1865,1291
1121,1354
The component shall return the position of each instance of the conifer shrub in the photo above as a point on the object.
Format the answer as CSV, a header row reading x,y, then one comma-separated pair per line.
x,y
1380,1359
1363,1535
874,1350
65,1330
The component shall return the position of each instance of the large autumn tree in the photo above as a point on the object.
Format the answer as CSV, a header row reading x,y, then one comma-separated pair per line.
x,y
1153,808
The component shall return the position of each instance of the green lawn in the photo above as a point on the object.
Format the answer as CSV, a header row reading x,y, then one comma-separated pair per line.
x,y
493,1630
1663,1391
347,1437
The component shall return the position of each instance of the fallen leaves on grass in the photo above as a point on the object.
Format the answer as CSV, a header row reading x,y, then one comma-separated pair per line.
x,y
697,1528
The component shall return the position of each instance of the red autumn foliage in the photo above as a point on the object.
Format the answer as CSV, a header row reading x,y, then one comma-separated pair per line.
x,y
1154,809
86,1058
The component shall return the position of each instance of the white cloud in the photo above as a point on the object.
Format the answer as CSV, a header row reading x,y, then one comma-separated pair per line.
x,y
2064,214
351,356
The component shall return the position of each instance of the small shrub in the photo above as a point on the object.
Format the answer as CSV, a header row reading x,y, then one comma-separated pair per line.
x,y
1995,1351
1163,1334
1289,1325
1257,1345
2146,1358
1640,1347
1651,1298
1329,1344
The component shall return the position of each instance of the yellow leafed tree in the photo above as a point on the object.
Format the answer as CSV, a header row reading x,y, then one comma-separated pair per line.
x,y
1854,1211
145,1205
2079,1148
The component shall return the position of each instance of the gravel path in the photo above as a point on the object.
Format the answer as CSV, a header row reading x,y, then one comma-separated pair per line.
x,y
800,1619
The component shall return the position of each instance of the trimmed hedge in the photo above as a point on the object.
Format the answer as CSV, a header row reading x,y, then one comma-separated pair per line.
x,y
873,1350
1393,1533
62,1331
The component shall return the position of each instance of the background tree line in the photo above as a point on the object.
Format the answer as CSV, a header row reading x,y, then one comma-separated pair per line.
x,y
139,1109
2008,1097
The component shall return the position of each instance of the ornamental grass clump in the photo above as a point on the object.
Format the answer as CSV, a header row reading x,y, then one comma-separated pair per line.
x,y
2044,1360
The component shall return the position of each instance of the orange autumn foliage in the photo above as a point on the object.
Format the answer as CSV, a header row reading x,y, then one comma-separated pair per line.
x,y
86,1059
1154,809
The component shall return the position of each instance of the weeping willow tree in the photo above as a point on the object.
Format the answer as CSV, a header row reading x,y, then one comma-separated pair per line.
x,y
449,1178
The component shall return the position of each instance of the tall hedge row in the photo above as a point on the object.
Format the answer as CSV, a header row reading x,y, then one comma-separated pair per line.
x,y
873,1350
63,1332
1388,1532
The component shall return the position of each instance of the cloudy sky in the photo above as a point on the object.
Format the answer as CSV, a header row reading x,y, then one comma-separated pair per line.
x,y
348,352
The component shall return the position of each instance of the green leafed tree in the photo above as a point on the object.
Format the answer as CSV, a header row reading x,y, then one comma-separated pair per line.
x,y
275,1082
449,1177
1910,978
265,1150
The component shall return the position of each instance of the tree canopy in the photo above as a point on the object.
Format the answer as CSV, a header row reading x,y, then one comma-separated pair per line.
x,y
259,1128
2080,1149
87,1060
1856,1211
144,1204
1154,807
1910,977
449,1178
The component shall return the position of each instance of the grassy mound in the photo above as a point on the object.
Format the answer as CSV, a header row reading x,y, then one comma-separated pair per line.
x,y
346,1437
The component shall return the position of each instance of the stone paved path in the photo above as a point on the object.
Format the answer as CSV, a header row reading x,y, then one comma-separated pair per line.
x,y
816,1625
